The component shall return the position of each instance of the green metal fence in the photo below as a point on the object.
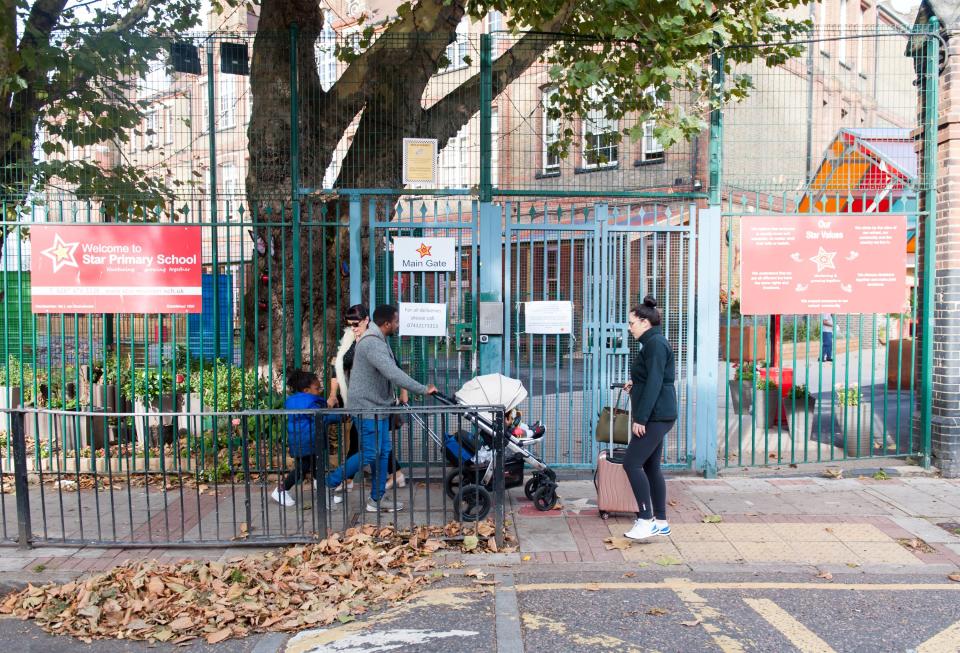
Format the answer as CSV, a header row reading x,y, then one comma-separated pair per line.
x,y
300,221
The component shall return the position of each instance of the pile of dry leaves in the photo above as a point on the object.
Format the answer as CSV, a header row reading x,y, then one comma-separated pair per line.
x,y
305,586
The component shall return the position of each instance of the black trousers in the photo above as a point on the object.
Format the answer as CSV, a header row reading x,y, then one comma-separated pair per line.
x,y
301,467
642,465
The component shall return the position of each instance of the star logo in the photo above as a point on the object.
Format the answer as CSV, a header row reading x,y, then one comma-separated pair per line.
x,y
61,254
423,250
824,260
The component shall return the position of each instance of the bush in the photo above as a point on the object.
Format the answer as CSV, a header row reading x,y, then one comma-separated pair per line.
x,y
798,332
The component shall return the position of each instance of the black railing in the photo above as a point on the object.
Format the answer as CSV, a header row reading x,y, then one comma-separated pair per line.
x,y
205,478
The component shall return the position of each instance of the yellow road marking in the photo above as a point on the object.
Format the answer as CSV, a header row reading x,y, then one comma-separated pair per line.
x,y
669,585
594,642
707,616
799,635
946,641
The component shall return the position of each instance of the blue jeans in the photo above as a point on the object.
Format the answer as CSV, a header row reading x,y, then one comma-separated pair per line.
x,y
375,448
826,344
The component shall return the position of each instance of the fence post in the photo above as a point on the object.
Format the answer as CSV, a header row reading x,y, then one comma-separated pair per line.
x,y
929,79
499,493
356,251
486,92
20,480
295,191
214,245
491,284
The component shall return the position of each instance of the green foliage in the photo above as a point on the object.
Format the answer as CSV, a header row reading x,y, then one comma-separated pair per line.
x,y
881,475
10,374
798,332
745,372
229,388
626,47
799,392
847,396
72,73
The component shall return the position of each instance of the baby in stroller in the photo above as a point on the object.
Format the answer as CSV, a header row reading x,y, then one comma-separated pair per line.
x,y
520,430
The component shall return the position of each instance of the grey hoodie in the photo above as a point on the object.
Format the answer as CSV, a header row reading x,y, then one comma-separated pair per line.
x,y
375,373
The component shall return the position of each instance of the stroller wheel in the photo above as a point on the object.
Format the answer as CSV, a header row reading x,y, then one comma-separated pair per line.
x,y
531,487
546,497
452,483
472,503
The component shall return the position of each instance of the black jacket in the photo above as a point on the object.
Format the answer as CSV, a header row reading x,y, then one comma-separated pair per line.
x,y
653,396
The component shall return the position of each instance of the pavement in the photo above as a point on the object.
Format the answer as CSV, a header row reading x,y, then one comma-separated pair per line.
x,y
754,563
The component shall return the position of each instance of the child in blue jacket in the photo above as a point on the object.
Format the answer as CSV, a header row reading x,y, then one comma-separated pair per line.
x,y
302,437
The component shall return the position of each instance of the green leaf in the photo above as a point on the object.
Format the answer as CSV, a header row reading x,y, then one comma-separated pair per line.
x,y
470,542
667,561
712,519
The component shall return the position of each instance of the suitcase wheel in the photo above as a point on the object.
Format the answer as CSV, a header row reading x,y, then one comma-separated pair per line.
x,y
604,515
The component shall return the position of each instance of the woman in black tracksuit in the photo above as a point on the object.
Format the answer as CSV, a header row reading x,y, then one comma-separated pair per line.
x,y
654,405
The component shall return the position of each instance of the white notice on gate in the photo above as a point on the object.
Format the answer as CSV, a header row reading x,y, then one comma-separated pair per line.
x,y
423,319
424,254
548,317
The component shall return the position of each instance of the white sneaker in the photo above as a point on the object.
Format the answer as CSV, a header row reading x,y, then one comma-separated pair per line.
x,y
399,479
283,498
642,529
346,485
331,497
663,526
384,505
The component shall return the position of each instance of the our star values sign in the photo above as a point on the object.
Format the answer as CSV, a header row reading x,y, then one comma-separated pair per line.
x,y
823,264
115,269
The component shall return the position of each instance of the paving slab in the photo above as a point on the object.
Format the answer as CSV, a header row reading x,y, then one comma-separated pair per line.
x,y
541,534
926,531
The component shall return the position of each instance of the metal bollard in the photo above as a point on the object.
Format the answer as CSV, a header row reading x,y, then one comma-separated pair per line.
x,y
20,480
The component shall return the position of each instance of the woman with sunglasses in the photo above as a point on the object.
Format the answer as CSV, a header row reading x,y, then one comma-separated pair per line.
x,y
357,319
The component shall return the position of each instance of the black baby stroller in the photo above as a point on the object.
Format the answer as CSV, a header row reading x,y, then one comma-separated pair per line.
x,y
470,453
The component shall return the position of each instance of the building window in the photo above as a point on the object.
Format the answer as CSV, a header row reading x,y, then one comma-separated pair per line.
x,y
842,43
326,52
600,135
227,102
495,147
494,21
551,131
822,24
168,125
204,108
456,52
453,161
151,135
651,149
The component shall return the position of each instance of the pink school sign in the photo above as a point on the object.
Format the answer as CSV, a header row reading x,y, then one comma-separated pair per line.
x,y
115,269
822,264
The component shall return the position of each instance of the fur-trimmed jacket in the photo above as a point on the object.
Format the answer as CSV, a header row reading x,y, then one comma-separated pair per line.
x,y
343,363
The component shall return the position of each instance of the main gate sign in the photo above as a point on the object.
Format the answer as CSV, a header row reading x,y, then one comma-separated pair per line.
x,y
823,264
115,269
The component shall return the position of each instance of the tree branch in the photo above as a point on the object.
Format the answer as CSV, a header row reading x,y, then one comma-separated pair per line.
x,y
445,118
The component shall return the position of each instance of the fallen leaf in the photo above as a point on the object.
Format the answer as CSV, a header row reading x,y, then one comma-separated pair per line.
x,y
955,577
673,503
526,558
712,519
484,582
825,575
470,542
475,573
833,472
657,612
691,624
457,564
630,574
619,543
181,623
666,561
592,587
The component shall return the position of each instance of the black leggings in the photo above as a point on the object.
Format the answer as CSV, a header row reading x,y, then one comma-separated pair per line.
x,y
301,467
642,465
392,467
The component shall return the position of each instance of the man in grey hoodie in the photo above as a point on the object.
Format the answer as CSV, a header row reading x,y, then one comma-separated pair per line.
x,y
374,376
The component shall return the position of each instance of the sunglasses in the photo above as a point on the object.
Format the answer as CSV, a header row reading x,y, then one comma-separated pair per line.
x,y
353,325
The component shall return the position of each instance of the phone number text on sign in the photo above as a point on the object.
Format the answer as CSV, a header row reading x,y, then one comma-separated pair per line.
x,y
115,269
823,264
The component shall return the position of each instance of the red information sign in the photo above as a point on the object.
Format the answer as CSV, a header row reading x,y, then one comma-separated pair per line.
x,y
823,264
115,269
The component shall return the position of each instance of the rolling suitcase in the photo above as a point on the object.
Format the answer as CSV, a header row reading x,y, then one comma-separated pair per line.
x,y
614,493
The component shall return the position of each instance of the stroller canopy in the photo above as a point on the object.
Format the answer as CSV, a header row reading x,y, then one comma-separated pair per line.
x,y
492,390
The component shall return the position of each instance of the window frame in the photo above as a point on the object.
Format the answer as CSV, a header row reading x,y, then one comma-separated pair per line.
x,y
613,129
545,102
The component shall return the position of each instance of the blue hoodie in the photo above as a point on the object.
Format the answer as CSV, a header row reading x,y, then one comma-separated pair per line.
x,y
301,434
